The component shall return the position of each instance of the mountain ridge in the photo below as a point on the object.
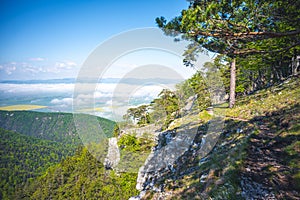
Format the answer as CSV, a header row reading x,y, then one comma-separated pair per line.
x,y
261,125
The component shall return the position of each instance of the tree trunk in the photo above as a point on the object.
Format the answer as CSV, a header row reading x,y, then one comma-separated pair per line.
x,y
232,83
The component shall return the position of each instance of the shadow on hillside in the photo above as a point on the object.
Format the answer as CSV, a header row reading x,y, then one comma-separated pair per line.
x,y
281,119
266,153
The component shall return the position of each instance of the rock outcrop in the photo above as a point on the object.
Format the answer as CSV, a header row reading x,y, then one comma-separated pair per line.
x,y
174,149
113,155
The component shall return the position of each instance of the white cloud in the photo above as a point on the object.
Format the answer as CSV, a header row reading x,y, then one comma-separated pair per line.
x,y
36,88
37,59
65,65
109,102
102,94
60,64
148,91
38,67
9,70
71,63
65,101
32,69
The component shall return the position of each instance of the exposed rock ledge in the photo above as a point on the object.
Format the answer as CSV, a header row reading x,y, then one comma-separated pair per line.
x,y
174,148
113,156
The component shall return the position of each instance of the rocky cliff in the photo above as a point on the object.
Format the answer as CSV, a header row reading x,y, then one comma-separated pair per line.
x,y
251,153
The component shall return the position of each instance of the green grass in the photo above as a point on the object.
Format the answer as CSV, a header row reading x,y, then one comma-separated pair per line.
x,y
266,101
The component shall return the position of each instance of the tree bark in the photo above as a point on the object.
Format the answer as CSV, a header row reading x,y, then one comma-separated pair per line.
x,y
232,83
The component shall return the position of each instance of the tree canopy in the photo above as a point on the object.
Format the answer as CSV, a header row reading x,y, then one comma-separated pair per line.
x,y
236,28
169,104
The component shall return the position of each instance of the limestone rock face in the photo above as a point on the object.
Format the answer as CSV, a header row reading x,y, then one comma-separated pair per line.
x,y
174,149
113,155
171,146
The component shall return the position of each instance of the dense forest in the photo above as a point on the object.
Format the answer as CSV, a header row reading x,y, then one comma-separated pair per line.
x,y
24,157
31,142
58,127
80,177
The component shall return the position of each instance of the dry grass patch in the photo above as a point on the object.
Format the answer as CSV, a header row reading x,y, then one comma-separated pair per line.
x,y
22,107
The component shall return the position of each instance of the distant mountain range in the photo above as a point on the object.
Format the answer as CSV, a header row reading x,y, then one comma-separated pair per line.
x,y
87,80
49,81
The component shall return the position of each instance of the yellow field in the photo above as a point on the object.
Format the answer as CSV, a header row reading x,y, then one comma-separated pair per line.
x,y
22,107
98,109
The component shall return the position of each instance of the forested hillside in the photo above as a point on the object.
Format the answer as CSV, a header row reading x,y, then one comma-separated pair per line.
x,y
34,141
80,177
58,127
23,157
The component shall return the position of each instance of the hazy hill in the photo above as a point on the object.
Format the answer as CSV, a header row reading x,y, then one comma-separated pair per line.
x,y
58,127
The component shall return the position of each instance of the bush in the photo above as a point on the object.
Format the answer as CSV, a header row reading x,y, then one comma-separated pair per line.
x,y
129,143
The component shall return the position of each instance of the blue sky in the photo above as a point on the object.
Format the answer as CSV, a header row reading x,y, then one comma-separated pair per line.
x,y
43,39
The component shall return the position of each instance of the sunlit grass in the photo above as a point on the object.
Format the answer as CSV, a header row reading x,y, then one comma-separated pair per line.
x,y
265,101
22,107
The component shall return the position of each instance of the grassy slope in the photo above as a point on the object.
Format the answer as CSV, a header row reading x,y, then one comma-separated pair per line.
x,y
267,150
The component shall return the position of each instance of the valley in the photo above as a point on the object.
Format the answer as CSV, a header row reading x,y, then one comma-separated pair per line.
x,y
255,154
